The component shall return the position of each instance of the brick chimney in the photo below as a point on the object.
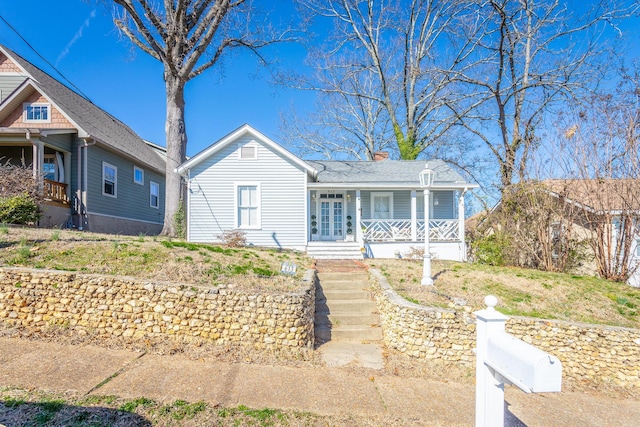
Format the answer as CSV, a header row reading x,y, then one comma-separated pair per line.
x,y
380,155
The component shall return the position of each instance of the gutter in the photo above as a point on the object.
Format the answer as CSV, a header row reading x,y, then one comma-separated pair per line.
x,y
81,193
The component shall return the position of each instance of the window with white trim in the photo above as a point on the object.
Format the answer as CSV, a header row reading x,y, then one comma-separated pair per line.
x,y
154,194
37,112
138,175
382,205
109,179
248,152
248,205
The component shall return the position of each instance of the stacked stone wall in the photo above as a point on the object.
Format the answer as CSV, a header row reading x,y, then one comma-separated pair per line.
x,y
589,353
128,307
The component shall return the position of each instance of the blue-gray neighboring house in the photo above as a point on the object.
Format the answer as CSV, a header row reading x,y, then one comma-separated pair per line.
x,y
339,209
95,172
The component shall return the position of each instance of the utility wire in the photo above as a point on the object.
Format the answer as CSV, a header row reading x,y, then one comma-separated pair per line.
x,y
44,59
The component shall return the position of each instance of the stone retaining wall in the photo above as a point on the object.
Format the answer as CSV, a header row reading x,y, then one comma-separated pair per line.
x,y
128,307
589,353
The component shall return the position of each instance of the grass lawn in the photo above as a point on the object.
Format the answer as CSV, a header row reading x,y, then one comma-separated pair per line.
x,y
150,258
520,292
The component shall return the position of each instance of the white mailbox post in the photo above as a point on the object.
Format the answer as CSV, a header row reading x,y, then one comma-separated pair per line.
x,y
501,358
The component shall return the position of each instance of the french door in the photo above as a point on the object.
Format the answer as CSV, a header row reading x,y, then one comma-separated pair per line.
x,y
331,218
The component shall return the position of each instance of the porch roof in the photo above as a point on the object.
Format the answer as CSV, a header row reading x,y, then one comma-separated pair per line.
x,y
385,173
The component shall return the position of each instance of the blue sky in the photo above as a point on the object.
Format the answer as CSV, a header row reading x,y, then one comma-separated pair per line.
x,y
79,38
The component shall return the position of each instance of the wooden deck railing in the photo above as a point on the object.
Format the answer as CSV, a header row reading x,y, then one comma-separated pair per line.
x,y
55,191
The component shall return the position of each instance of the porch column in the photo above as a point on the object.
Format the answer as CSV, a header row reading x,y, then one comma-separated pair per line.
x,y
414,217
358,218
463,247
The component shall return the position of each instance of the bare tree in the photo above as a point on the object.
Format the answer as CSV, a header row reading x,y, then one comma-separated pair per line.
x,y
600,143
396,43
519,61
342,125
187,37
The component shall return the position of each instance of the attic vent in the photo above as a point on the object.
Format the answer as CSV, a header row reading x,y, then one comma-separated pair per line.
x,y
248,152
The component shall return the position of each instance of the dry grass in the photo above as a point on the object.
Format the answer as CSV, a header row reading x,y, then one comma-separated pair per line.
x,y
151,258
520,292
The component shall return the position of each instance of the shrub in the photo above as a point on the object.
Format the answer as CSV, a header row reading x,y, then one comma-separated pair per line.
x,y
20,209
234,238
490,249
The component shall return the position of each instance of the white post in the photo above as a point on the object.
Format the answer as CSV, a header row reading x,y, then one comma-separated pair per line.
x,y
463,246
414,217
358,218
489,391
426,271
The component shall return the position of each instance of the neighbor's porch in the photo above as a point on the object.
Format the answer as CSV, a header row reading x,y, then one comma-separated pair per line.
x,y
389,223
51,167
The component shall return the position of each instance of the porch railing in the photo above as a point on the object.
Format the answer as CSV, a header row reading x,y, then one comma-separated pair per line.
x,y
55,191
390,230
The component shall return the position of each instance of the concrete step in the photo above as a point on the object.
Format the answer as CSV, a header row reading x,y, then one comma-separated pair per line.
x,y
338,320
342,294
344,285
348,333
342,277
363,306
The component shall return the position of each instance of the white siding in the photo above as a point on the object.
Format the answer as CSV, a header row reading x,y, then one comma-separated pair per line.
x,y
212,197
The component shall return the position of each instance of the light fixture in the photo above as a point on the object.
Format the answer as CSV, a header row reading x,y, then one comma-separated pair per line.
x,y
427,177
348,197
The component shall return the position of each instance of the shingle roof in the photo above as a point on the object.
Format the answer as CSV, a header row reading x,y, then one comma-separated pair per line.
x,y
601,195
92,119
399,172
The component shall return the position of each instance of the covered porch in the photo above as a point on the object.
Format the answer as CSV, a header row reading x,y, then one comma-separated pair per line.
x,y
387,222
50,164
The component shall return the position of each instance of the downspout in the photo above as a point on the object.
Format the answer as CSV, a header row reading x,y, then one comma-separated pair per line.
x,y
82,180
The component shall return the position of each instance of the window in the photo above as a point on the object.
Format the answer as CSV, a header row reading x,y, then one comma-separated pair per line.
x,y
381,205
37,112
154,198
248,202
49,167
138,175
109,179
248,152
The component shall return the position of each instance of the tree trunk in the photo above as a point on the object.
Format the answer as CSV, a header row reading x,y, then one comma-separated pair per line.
x,y
176,135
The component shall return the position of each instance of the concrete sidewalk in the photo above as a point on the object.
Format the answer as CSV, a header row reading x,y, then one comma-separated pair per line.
x,y
325,391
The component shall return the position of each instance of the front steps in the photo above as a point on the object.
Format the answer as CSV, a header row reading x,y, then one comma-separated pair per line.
x,y
334,250
347,326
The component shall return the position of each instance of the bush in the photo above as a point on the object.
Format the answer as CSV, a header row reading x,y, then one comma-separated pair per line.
x,y
20,209
234,238
490,249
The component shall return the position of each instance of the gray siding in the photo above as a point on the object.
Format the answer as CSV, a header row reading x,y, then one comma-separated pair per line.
x,y
283,198
445,209
8,84
132,199
59,142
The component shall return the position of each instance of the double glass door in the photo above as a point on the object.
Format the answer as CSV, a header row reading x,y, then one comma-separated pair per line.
x,y
331,218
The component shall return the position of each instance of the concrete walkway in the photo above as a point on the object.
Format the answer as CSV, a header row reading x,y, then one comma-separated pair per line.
x,y
326,391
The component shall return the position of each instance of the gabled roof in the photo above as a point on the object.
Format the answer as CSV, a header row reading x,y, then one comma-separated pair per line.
x,y
91,120
234,136
599,195
389,173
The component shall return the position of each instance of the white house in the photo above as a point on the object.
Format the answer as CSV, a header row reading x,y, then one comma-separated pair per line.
x,y
248,182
